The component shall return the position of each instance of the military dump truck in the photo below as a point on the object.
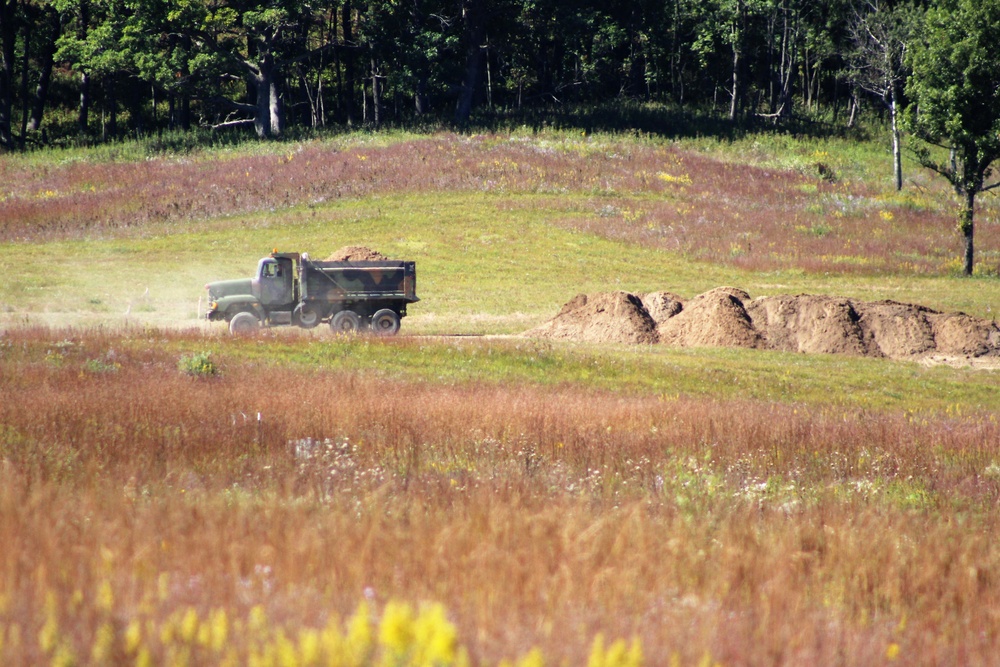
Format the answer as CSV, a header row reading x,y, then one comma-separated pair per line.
x,y
290,288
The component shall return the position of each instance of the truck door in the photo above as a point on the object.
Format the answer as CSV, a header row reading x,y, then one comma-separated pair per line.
x,y
276,282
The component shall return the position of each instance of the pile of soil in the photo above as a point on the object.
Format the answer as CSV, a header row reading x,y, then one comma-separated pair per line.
x,y
813,324
662,305
611,317
716,318
356,253
728,317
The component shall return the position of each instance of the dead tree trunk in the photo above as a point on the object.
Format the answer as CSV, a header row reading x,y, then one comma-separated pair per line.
x,y
268,120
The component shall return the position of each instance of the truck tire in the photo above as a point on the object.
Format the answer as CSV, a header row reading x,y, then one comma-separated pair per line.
x,y
244,323
305,317
345,322
385,322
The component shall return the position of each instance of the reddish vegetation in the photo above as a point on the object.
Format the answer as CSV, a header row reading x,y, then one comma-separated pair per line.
x,y
728,317
658,196
751,532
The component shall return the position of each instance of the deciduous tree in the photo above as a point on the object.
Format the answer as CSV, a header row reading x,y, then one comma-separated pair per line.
x,y
880,33
955,93
253,40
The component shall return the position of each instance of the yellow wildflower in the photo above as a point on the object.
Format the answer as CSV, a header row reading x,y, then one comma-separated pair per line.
x,y
683,179
617,655
892,651
105,596
189,625
287,655
309,647
533,658
396,629
359,636
64,657
133,636
104,640
48,635
258,619
435,638
218,624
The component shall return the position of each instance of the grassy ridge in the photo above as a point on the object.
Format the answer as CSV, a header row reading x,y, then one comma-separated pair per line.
x,y
506,228
487,264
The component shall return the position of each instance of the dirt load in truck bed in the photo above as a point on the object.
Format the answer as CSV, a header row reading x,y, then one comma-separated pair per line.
x,y
729,317
356,253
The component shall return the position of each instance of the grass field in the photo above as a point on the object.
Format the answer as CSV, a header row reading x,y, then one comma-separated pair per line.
x,y
487,218
173,495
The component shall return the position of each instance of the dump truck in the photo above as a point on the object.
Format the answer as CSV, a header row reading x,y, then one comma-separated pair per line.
x,y
292,289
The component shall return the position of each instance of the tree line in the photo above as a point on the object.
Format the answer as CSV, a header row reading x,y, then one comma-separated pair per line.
x,y
99,69
117,66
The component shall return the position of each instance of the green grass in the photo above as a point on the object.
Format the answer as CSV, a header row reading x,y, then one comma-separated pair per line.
x,y
486,264
851,159
814,381
199,144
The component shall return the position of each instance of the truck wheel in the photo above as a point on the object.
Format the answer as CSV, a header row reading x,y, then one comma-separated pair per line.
x,y
243,323
385,322
305,317
345,322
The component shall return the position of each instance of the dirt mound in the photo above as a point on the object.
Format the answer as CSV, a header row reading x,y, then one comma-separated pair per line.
x,y
813,324
662,305
899,330
612,317
727,317
963,335
714,319
356,253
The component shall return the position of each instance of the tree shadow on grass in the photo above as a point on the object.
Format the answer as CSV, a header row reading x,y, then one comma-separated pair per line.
x,y
661,120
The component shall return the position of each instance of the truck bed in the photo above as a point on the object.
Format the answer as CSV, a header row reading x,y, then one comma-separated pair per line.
x,y
351,281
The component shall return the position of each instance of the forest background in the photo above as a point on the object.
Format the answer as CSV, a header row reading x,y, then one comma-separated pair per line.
x,y
88,70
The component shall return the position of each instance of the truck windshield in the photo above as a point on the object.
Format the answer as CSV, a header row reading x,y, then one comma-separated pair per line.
x,y
270,270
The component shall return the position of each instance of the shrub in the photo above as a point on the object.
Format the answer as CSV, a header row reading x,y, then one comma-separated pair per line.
x,y
199,364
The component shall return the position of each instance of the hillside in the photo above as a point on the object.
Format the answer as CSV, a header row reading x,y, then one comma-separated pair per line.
x,y
487,218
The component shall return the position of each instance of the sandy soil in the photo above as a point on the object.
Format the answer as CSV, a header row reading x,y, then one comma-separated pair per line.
x,y
729,317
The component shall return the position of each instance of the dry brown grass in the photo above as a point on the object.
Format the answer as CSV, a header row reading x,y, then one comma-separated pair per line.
x,y
751,532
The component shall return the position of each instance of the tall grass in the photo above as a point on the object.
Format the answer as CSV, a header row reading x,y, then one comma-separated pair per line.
x,y
747,532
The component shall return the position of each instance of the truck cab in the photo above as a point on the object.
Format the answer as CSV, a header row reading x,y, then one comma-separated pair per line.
x,y
274,285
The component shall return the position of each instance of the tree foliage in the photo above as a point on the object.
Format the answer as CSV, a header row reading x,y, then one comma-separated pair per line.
x,y
881,32
272,64
955,93
278,63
